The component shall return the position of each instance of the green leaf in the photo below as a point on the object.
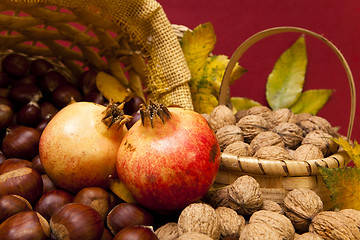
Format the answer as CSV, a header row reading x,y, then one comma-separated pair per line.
x,y
285,83
312,101
240,103
344,185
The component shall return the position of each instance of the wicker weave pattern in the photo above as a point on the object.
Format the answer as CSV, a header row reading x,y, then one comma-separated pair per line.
x,y
115,36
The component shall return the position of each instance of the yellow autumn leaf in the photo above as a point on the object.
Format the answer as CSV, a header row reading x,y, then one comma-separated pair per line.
x,y
204,102
344,185
352,151
197,45
240,103
111,87
120,190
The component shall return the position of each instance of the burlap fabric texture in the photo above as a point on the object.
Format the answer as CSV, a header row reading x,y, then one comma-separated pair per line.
x,y
114,31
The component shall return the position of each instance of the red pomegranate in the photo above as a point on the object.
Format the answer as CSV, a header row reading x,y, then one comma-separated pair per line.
x,y
169,158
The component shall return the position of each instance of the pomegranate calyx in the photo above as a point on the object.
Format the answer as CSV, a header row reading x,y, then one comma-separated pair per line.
x,y
152,110
114,115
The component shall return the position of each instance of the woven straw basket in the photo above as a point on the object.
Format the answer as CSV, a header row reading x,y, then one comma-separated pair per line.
x,y
278,177
130,39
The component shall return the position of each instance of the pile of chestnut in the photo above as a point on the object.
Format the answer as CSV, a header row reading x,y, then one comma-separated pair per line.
x,y
32,91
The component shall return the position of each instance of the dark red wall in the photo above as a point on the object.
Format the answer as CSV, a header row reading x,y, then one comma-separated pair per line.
x,y
236,20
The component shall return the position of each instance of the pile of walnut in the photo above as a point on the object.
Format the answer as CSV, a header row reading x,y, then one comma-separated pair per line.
x,y
238,211
276,135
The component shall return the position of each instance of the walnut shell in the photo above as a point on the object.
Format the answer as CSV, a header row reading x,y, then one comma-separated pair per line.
x,y
272,153
267,138
252,125
291,133
259,231
309,236
307,152
240,114
194,236
281,115
300,206
262,111
273,206
353,214
334,225
276,221
322,140
302,117
169,231
200,218
221,116
239,148
317,123
227,135
231,222
220,198
246,192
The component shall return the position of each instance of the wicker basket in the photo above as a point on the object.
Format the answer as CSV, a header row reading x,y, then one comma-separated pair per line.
x,y
132,40
278,177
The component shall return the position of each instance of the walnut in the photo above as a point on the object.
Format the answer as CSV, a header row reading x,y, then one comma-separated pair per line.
x,y
239,148
309,236
169,231
221,116
227,135
273,206
272,153
291,133
302,117
353,214
231,223
259,231
240,114
334,225
322,140
307,152
300,206
276,221
201,218
246,192
262,111
317,123
220,198
252,125
267,138
194,236
281,115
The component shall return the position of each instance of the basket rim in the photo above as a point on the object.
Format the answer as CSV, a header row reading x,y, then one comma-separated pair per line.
x,y
253,165
250,41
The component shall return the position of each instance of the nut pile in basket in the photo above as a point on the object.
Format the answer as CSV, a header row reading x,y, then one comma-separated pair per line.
x,y
273,134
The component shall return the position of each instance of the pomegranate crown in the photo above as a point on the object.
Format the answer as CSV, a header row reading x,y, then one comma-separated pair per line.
x,y
152,110
114,115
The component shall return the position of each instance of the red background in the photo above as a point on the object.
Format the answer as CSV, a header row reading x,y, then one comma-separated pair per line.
x,y
234,21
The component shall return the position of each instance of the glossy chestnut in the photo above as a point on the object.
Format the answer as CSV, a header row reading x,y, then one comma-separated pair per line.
x,y
95,197
15,64
76,221
136,233
21,142
51,201
12,204
25,225
25,182
127,215
12,164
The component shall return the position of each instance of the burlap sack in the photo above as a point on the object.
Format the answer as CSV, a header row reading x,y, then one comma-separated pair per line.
x,y
143,21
